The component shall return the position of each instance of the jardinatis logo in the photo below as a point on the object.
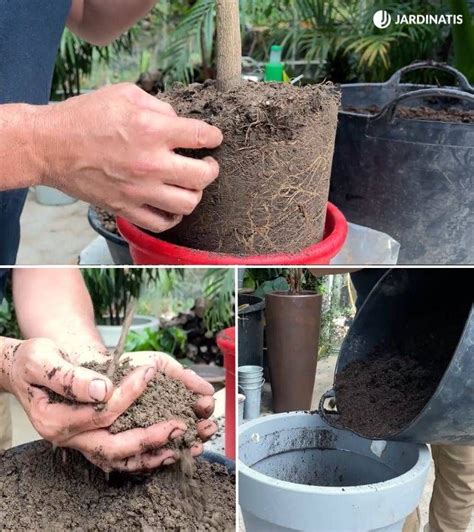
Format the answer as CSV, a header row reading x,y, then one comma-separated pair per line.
x,y
382,19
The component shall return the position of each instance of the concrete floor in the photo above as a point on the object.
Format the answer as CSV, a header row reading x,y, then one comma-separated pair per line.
x,y
323,382
53,235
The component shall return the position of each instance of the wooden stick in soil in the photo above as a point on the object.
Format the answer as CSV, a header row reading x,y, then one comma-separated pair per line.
x,y
120,349
229,45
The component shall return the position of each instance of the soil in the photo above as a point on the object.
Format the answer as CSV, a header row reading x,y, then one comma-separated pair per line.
x,y
275,166
46,490
107,220
451,114
163,399
383,394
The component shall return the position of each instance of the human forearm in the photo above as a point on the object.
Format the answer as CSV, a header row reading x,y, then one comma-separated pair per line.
x,y
54,303
21,163
101,21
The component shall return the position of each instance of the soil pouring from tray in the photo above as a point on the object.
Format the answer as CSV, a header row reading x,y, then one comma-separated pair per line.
x,y
381,394
275,165
61,490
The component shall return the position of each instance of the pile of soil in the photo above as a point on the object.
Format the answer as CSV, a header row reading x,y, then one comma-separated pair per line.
x,y
450,114
46,490
163,399
381,395
275,164
107,220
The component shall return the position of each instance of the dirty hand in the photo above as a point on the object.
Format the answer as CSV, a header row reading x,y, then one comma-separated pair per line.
x,y
114,148
149,455
32,366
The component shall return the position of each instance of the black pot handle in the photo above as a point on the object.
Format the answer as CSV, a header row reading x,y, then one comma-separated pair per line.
x,y
423,65
386,114
330,394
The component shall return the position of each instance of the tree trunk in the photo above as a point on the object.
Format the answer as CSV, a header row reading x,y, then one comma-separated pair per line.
x,y
229,45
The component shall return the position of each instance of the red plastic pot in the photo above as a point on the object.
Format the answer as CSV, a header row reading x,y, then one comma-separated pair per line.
x,y
149,250
226,343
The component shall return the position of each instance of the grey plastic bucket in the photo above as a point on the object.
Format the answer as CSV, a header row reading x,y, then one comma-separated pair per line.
x,y
436,306
363,485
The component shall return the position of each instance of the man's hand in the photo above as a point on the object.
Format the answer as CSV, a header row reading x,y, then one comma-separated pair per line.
x,y
33,366
115,148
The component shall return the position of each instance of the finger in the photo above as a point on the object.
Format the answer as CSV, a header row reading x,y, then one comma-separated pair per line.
x,y
195,383
172,368
132,442
58,422
49,369
193,134
158,106
204,406
193,174
146,461
69,420
174,200
197,449
206,429
152,219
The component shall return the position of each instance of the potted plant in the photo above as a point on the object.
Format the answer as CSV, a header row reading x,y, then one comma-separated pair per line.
x,y
111,290
293,322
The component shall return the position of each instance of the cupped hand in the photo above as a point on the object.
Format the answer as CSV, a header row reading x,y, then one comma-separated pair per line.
x,y
115,148
142,449
33,367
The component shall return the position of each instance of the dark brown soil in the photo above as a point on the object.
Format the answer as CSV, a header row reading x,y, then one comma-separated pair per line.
x,y
163,399
42,490
275,164
383,394
451,114
107,220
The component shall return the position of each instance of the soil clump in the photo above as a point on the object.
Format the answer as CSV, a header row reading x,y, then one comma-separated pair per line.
x,y
275,165
450,114
163,399
43,491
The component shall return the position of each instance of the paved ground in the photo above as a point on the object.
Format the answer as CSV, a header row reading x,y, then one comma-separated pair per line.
x,y
323,382
53,235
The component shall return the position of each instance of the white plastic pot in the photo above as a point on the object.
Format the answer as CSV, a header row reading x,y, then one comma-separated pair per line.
x,y
51,196
110,334
298,473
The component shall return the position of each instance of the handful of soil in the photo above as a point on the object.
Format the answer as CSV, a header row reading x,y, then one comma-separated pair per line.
x,y
163,399
423,112
275,165
41,492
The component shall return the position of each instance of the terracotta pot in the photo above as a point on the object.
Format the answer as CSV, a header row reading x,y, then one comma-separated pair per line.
x,y
293,326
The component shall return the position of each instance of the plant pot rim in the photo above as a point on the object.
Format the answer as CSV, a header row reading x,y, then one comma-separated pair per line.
x,y
148,249
94,222
287,294
149,321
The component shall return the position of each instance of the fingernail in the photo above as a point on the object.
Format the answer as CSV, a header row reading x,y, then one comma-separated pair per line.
x,y
176,433
169,461
150,374
97,390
